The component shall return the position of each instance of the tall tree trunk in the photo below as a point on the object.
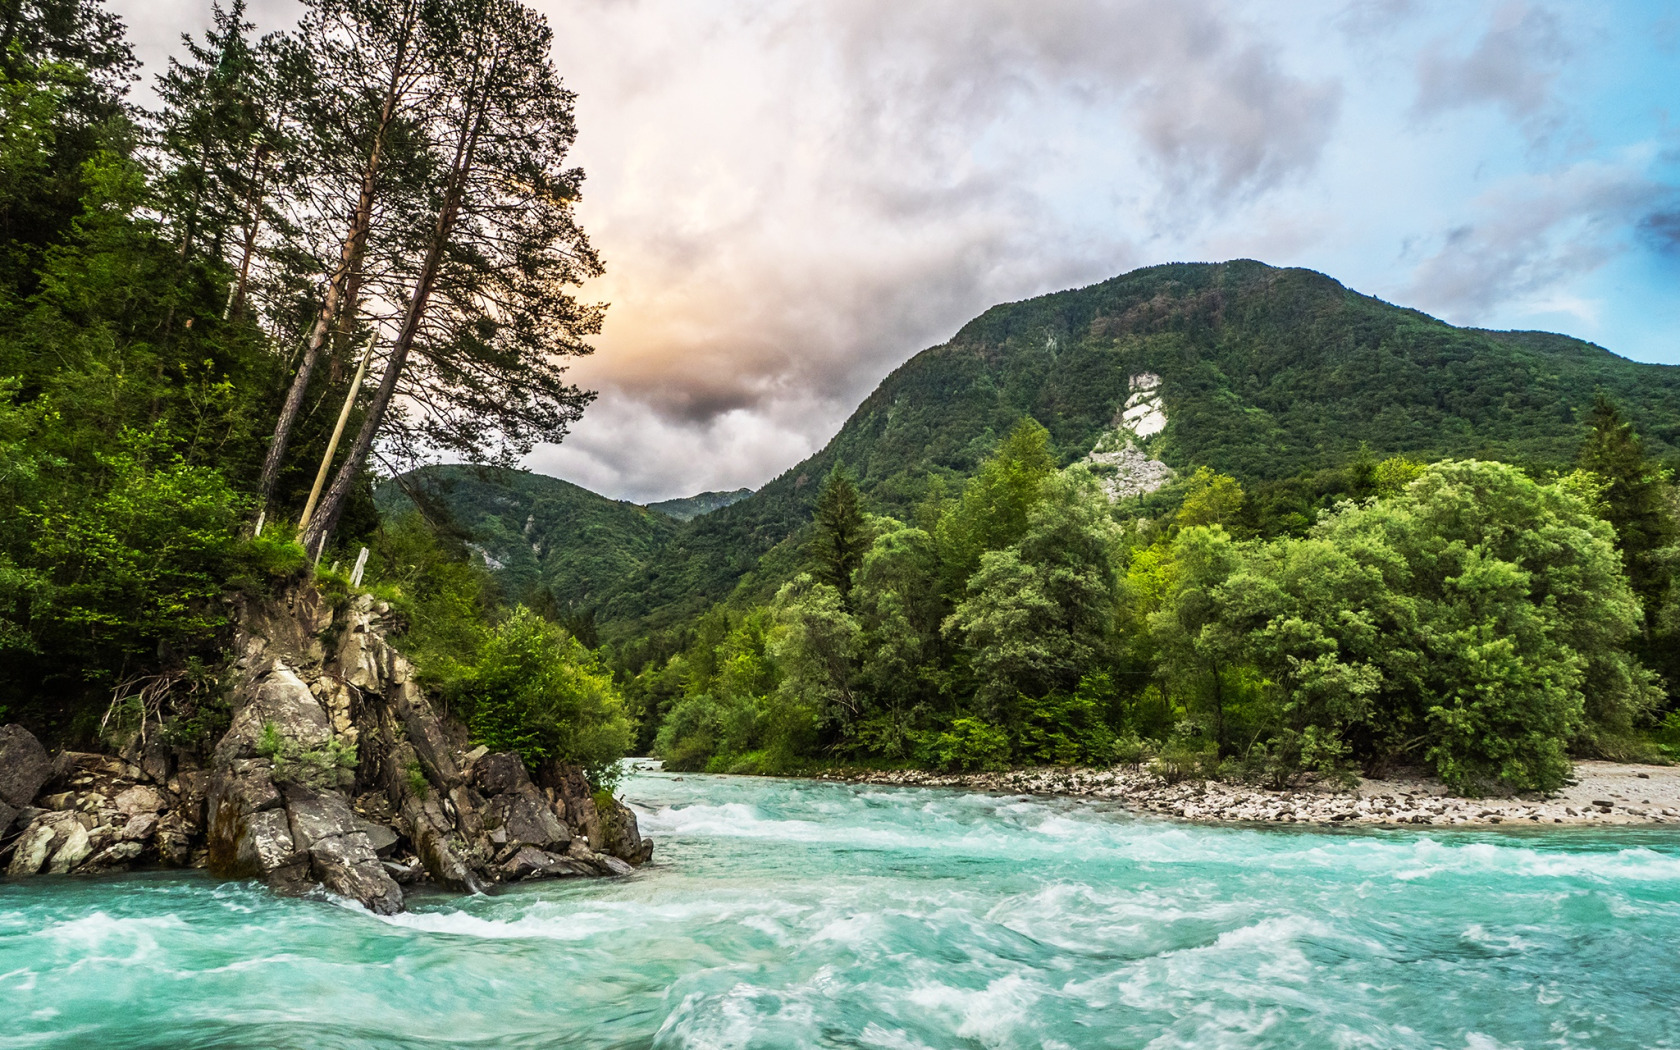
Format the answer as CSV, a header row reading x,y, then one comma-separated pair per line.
x,y
349,259
326,517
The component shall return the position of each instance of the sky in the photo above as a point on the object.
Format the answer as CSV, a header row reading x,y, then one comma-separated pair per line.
x,y
793,197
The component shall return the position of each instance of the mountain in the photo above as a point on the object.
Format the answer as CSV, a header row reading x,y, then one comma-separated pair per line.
x,y
691,507
1262,373
541,533
1265,373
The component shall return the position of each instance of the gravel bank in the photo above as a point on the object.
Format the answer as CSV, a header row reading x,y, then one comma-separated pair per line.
x,y
1603,793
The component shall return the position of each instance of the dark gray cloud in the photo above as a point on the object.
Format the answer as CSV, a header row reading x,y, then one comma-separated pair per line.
x,y
1663,228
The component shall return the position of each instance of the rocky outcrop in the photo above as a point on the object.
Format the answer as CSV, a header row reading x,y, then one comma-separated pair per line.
x,y
107,813
370,786
337,772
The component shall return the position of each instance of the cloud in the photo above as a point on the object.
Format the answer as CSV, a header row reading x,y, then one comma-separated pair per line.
x,y
794,198
1514,66
1535,235
1663,229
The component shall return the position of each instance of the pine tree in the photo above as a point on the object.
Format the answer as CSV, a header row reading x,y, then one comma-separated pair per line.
x,y
487,313
840,533
365,50
1637,502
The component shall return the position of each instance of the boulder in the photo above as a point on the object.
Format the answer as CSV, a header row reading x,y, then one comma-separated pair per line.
x,y
116,856
624,838
614,866
24,767
498,773
525,817
526,862
53,843
381,838
341,857
241,845
280,702
425,734
140,799
573,798
140,827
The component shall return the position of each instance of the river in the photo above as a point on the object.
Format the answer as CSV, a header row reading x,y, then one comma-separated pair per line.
x,y
787,913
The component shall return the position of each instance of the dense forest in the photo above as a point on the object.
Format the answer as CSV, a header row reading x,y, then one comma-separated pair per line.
x,y
324,252
348,250
1464,615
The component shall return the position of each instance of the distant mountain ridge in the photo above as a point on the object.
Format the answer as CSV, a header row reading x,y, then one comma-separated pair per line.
x,y
690,507
1262,373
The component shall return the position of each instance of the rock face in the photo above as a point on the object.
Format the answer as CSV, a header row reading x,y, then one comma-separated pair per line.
x,y
336,772
24,767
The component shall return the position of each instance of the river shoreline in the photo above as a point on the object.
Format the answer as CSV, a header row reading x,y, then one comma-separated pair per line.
x,y
1603,794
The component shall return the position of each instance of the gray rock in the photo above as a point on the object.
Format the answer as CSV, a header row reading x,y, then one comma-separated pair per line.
x,y
613,865
425,734
279,699
39,841
72,850
340,856
140,827
527,818
381,838
8,816
268,846
140,799
117,855
624,837
498,773
528,861
239,792
24,767
570,867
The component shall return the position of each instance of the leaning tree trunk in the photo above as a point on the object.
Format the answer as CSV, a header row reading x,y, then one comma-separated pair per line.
x,y
320,527
350,257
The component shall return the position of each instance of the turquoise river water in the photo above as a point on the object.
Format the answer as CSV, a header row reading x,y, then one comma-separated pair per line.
x,y
800,914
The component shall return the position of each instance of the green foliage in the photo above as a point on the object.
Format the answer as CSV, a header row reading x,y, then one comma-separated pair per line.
x,y
839,534
1211,499
1038,613
416,780
327,766
1188,754
1067,729
970,745
535,691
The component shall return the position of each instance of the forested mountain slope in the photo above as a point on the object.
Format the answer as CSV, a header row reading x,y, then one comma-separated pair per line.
x,y
1265,373
539,533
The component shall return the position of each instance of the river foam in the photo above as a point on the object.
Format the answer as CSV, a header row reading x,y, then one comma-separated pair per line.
x,y
794,914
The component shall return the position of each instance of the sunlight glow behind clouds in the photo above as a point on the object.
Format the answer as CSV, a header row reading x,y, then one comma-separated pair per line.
x,y
792,198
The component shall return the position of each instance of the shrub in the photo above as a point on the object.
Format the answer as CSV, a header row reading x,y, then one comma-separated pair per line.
x,y
1187,755
318,767
969,746
536,691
